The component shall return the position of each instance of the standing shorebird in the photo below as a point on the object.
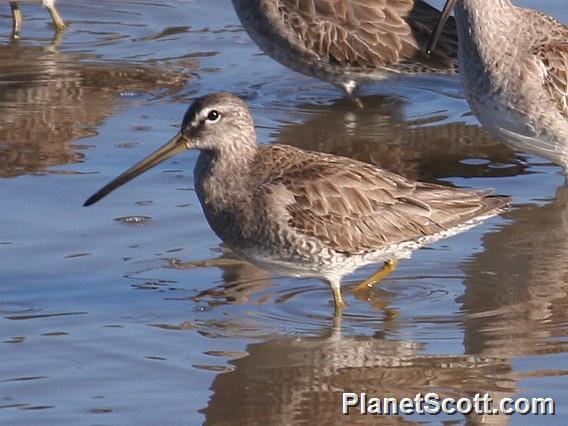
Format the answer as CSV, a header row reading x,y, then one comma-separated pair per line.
x,y
348,42
514,68
17,17
308,213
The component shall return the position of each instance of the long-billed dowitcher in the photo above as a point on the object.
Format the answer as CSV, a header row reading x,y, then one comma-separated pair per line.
x,y
348,42
17,17
309,213
514,68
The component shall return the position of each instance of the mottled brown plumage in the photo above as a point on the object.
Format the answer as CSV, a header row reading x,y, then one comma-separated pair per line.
x,y
347,42
353,207
40,122
313,214
554,59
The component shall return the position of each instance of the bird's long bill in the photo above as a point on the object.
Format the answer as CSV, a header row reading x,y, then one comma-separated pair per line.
x,y
450,4
176,145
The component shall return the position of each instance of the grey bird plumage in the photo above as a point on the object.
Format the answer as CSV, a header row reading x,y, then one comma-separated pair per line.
x,y
514,68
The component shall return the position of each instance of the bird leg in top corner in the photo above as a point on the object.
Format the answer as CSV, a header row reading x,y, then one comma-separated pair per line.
x,y
58,22
17,19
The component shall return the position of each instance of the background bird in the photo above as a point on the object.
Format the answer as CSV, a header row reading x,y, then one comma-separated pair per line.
x,y
514,68
348,42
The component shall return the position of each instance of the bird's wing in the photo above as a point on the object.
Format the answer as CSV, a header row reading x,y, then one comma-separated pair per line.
x,y
362,33
553,62
354,207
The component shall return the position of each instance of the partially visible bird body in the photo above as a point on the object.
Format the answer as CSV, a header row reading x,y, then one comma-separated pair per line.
x,y
348,42
514,68
310,213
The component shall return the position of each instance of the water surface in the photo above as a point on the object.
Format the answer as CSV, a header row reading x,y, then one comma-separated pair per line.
x,y
99,324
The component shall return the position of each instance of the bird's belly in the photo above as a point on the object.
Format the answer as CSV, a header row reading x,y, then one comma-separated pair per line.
x,y
324,263
301,259
501,118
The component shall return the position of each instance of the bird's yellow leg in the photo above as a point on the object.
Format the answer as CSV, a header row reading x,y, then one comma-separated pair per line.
x,y
17,19
362,290
337,297
387,269
55,16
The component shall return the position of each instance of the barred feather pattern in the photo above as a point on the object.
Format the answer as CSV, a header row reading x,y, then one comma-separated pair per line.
x,y
349,40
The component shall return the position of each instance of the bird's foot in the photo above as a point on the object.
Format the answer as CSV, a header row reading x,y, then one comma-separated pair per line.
x,y
361,290
58,22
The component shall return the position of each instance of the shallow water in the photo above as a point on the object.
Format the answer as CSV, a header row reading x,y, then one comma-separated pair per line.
x,y
97,326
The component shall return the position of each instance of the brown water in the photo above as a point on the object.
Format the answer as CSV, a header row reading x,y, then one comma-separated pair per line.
x,y
97,326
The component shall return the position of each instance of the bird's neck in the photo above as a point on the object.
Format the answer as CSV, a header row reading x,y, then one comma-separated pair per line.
x,y
221,176
222,186
486,30
483,6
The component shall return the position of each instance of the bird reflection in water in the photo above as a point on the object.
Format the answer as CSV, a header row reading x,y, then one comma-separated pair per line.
x,y
518,303
50,99
291,379
421,149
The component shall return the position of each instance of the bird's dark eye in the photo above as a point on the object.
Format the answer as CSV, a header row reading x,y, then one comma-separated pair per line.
x,y
213,115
